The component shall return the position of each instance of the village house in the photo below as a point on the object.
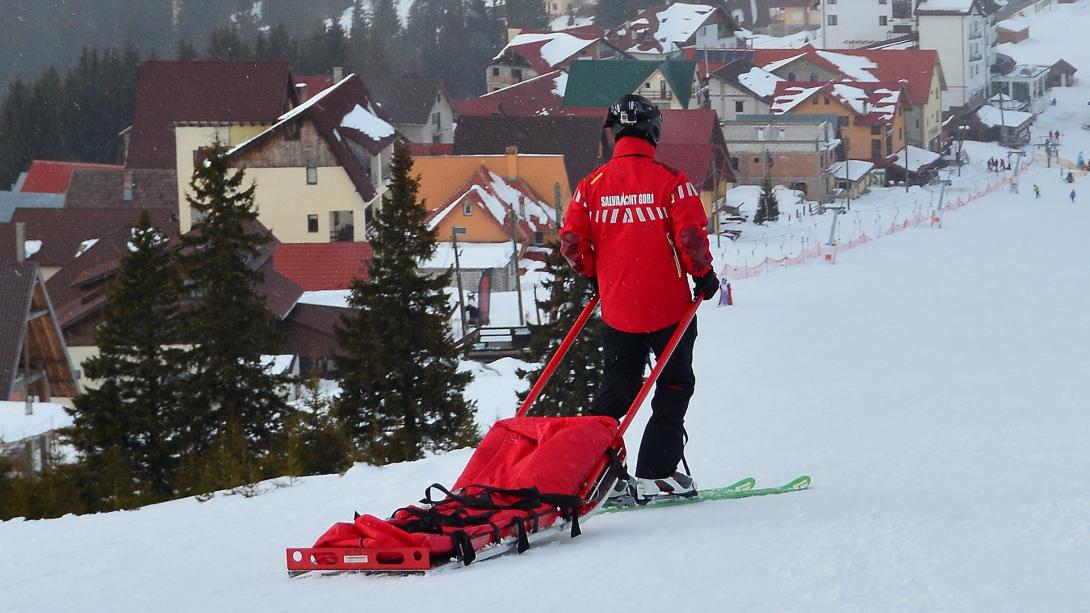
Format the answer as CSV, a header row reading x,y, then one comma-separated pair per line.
x,y
919,68
739,88
319,169
964,35
851,25
1026,83
792,150
870,116
441,176
34,359
420,109
598,84
531,53
791,16
852,177
750,15
661,32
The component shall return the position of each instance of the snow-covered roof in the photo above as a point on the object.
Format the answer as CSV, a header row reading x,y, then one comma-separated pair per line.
x,y
855,66
32,247
499,197
471,255
278,364
873,102
15,424
552,48
992,117
759,81
790,96
327,297
666,28
945,6
917,158
367,122
852,170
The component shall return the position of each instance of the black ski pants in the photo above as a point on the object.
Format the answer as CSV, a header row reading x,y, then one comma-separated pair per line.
x,y
625,357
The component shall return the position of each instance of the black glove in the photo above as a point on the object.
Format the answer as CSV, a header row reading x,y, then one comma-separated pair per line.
x,y
593,281
705,286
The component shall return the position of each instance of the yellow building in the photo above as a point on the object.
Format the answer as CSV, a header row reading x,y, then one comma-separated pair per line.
x,y
441,176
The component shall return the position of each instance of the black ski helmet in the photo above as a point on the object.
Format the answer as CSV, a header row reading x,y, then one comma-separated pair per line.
x,y
634,115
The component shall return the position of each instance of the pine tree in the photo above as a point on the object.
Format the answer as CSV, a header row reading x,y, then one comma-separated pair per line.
x,y
401,391
768,208
227,325
576,380
131,418
185,51
227,44
384,39
16,117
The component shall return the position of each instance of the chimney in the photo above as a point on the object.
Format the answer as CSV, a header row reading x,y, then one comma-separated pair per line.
x,y
512,154
20,242
338,74
301,92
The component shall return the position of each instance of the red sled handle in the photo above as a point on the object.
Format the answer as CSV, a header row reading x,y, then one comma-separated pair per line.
x,y
566,344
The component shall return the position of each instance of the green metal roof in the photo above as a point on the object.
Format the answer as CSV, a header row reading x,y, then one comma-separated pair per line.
x,y
599,83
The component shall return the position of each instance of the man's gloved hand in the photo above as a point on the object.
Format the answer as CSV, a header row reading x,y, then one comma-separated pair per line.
x,y
706,286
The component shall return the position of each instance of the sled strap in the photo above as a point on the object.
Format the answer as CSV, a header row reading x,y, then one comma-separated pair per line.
x,y
550,368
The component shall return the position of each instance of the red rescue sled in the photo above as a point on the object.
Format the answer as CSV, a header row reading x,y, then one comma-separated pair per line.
x,y
530,479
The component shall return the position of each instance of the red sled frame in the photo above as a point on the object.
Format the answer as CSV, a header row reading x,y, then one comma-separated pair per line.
x,y
402,560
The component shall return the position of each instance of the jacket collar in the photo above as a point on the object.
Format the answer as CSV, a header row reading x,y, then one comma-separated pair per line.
x,y
632,145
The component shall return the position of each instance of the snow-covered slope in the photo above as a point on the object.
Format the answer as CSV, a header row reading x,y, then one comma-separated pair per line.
x,y
934,384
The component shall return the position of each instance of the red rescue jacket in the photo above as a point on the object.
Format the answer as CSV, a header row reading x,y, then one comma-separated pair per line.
x,y
639,226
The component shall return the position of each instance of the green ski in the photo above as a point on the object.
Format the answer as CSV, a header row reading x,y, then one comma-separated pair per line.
x,y
741,489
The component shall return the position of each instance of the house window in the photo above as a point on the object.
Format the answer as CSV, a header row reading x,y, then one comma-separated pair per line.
x,y
831,20
756,160
312,223
734,163
341,226
760,133
814,100
790,76
826,100
312,175
781,133
842,121
876,129
739,106
495,71
516,74
467,208
813,76
460,230
437,120
881,1
882,20
875,148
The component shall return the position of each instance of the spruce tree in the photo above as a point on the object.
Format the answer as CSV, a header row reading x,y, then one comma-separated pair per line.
x,y
229,394
575,382
128,425
401,390
768,208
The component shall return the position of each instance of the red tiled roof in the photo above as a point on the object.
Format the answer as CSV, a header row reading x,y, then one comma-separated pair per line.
x,y
322,266
49,177
890,65
691,141
213,91
62,231
536,96
314,85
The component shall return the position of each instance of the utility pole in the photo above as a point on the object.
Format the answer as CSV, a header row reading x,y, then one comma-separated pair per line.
x,y
515,262
454,232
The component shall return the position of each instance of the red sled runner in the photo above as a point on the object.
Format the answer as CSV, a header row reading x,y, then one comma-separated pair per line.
x,y
529,480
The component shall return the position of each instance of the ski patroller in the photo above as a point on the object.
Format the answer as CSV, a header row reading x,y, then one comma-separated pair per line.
x,y
531,479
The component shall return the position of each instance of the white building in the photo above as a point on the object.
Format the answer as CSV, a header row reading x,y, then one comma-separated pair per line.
x,y
963,35
849,24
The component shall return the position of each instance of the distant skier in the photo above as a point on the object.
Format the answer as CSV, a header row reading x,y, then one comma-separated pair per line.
x,y
1036,192
636,226
1072,195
